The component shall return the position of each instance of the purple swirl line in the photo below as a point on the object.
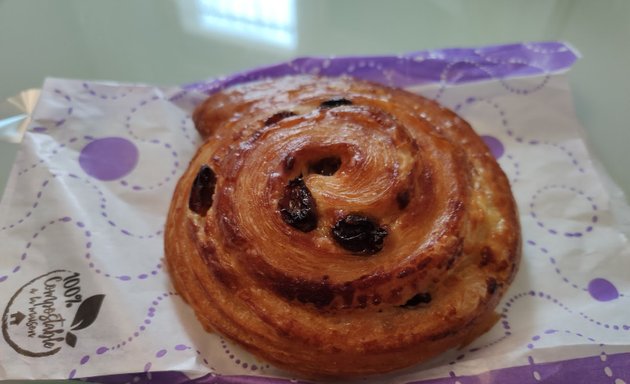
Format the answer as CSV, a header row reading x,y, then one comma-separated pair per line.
x,y
32,208
134,111
185,122
173,171
68,111
519,139
517,168
151,311
147,366
545,296
444,81
104,96
607,370
239,361
146,101
54,152
553,262
506,328
101,350
104,213
29,243
558,271
589,228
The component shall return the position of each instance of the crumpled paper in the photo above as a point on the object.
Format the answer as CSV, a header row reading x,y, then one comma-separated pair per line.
x,y
84,293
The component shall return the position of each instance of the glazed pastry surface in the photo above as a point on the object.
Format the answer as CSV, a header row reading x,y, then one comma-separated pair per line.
x,y
336,227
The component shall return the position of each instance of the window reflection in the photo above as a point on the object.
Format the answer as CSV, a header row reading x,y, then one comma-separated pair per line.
x,y
269,21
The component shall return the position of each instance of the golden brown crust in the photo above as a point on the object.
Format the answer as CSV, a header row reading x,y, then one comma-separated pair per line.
x,y
296,296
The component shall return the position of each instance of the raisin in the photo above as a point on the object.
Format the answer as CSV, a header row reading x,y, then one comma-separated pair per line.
x,y
402,198
420,298
359,234
491,285
289,162
487,257
326,166
333,103
275,118
202,191
297,206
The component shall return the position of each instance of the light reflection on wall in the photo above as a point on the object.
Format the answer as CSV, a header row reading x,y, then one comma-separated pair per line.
x,y
265,21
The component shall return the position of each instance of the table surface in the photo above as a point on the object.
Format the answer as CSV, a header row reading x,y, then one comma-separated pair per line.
x,y
166,42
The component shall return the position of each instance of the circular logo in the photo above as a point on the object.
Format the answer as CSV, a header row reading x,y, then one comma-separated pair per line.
x,y
45,314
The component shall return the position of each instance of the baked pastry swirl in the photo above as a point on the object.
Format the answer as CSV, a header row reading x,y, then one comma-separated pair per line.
x,y
336,227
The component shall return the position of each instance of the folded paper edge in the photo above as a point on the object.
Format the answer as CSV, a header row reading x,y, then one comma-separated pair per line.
x,y
423,67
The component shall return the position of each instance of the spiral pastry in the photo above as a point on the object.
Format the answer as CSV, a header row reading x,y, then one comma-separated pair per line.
x,y
336,227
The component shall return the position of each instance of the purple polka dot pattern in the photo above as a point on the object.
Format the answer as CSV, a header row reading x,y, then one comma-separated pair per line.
x,y
495,146
109,158
602,290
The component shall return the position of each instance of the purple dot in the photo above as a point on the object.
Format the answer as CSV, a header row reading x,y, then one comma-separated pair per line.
x,y
181,347
72,373
602,290
495,146
160,353
109,159
84,359
101,350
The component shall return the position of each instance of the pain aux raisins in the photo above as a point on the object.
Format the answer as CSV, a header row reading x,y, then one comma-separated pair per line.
x,y
359,234
297,206
202,190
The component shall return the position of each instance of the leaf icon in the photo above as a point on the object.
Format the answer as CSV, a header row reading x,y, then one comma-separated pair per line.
x,y
87,312
71,339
